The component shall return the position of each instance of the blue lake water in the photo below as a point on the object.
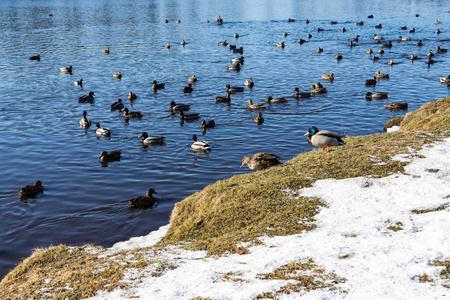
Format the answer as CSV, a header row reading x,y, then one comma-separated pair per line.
x,y
83,201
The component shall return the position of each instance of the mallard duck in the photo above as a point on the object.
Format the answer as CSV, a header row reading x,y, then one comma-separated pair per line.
x,y
407,38
183,42
234,89
188,116
299,94
344,29
307,21
285,34
413,57
412,30
381,75
66,69
199,145
192,79
440,50
223,43
236,35
388,45
437,22
178,21
301,41
323,139
144,201
104,131
87,98
328,76
319,29
118,105
445,79
280,45
354,39
396,105
107,156
117,75
318,89
377,37
167,46
177,107
151,140
231,47
370,16
131,114
238,50
419,43
237,60
84,122
79,82
252,105
378,26
369,51
32,189
309,35
249,83
381,50
353,44
429,61
219,20
291,20
371,82
338,56
319,49
259,119
260,161
234,67
404,28
132,96
360,23
157,86
35,57
271,100
391,62
188,89
222,99
208,124
377,95
105,51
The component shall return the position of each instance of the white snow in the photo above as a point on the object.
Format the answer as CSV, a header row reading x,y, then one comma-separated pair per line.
x,y
352,239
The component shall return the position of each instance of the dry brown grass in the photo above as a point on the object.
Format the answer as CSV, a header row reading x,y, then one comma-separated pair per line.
x,y
431,117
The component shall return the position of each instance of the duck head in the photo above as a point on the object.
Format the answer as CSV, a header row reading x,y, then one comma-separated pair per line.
x,y
245,160
312,131
144,135
150,192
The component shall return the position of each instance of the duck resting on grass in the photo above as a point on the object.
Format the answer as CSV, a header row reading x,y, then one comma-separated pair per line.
x,y
260,161
323,138
144,201
31,190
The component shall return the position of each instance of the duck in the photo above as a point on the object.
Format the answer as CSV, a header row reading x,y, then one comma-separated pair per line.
x,y
66,70
208,124
429,61
291,20
445,80
419,43
32,190
151,140
35,57
87,98
318,89
238,50
344,29
371,82
319,29
84,122
378,26
117,75
167,46
438,31
333,22
237,60
107,156
437,22
328,76
105,51
236,35
338,56
407,38
144,201
319,50
374,58
285,34
370,16
252,105
377,37
381,75
79,82
369,51
381,51
412,30
307,21
280,45
249,83
404,28
354,39
223,43
299,94
360,23
222,99
309,35
188,89
218,20
323,138
271,100
188,116
183,42
440,50
396,105
157,86
259,119
260,161
177,107
234,89
231,47
131,114
413,57
388,44
104,131
376,96
132,96
301,41
118,105
192,79
234,67
353,44
391,62
430,54
199,145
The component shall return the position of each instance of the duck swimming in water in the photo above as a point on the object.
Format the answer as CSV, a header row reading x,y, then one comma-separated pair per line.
x,y
131,114
31,190
103,131
377,95
132,96
66,70
87,98
177,107
259,119
84,122
271,100
249,83
234,89
118,105
144,201
107,156
157,86
151,140
299,94
252,105
117,75
323,138
199,145
260,161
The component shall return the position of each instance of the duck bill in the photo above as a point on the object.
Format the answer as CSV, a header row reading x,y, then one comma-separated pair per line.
x,y
306,133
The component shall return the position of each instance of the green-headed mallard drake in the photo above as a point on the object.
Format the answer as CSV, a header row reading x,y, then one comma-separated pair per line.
x,y
260,161
328,76
371,82
323,138
234,89
157,86
222,99
397,105
103,131
132,96
249,83
377,95
35,57
192,79
66,70
234,67
117,75
237,60
144,201
105,51
79,82
32,189
259,119
271,100
299,94
107,156
378,75
188,116
84,122
87,98
132,114
223,43
118,105
151,140
199,145
208,124
406,38
188,89
252,105
177,107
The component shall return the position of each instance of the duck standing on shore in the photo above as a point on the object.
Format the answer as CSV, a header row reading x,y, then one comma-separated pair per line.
x,y
323,138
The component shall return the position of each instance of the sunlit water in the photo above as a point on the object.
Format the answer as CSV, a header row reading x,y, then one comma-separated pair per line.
x,y
85,202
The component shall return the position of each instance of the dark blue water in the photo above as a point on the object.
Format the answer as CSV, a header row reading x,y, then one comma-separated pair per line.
x,y
83,201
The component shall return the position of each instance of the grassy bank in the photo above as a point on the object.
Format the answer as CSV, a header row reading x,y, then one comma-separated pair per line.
x,y
230,212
